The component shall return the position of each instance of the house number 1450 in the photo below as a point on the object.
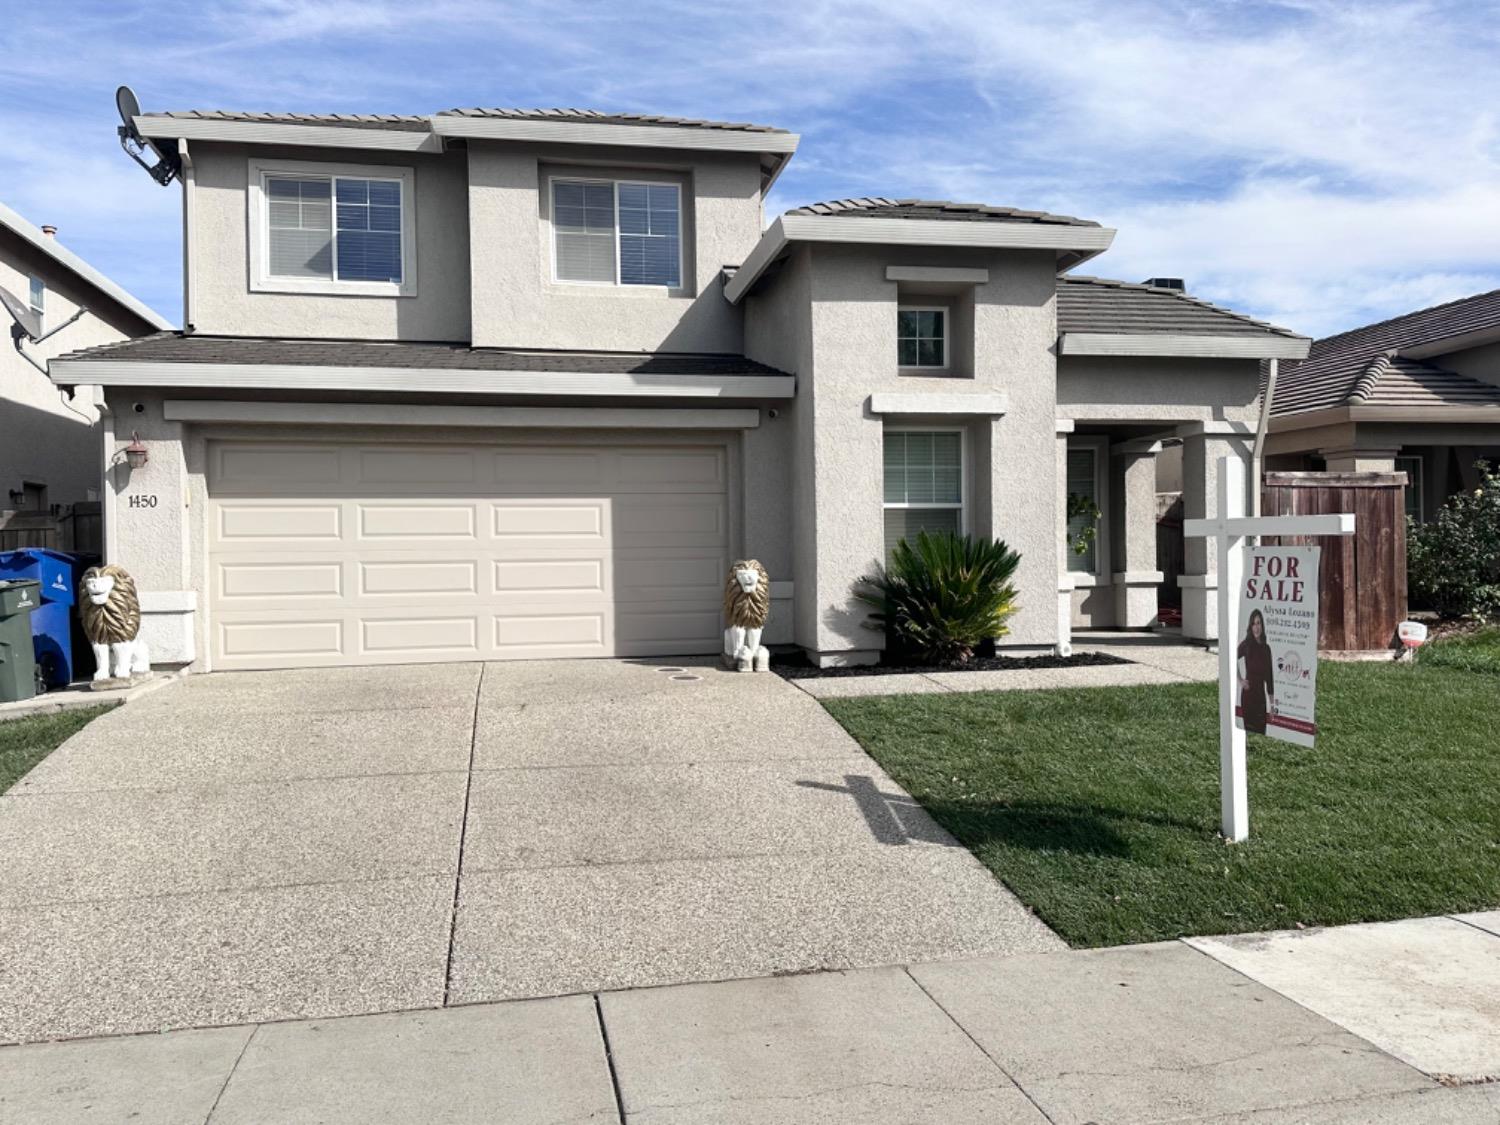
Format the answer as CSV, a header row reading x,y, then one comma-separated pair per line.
x,y
147,501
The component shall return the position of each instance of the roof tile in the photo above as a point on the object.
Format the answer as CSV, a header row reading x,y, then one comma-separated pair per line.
x,y
881,207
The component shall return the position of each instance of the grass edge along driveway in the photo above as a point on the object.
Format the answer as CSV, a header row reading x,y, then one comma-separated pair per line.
x,y
1099,807
25,742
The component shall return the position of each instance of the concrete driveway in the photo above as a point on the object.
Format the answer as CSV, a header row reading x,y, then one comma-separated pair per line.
x,y
263,846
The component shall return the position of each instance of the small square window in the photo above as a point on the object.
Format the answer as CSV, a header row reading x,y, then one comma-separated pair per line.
x,y
608,232
922,337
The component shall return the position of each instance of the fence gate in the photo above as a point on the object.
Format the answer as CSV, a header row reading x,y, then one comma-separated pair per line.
x,y
1363,576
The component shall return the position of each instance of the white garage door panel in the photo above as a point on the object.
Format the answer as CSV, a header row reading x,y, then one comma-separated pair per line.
x,y
347,553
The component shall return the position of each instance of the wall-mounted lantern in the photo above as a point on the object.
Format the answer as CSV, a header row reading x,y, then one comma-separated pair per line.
x,y
136,454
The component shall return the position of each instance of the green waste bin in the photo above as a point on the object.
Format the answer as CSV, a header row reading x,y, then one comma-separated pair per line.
x,y
18,597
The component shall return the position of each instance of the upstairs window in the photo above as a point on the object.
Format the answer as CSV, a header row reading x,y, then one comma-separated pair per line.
x,y
617,232
921,337
924,484
332,231
38,300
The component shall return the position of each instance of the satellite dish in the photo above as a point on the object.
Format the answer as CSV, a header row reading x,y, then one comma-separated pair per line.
x,y
27,321
166,166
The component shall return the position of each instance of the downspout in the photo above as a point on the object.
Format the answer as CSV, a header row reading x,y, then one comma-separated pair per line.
x,y
1257,454
189,225
107,488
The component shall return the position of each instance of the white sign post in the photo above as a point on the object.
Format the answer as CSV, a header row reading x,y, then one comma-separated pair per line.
x,y
1229,529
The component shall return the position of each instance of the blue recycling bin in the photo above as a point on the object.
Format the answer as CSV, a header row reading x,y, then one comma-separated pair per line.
x,y
52,622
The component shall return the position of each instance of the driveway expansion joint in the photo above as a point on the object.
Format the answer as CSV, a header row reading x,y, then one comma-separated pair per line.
x,y
463,827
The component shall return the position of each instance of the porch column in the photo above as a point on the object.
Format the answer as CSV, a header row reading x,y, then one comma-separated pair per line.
x,y
1359,460
1202,445
1133,467
1064,646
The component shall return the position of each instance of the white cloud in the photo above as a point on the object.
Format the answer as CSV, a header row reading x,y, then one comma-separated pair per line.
x,y
1320,162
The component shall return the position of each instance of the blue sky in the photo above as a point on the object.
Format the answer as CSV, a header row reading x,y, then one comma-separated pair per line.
x,y
1321,164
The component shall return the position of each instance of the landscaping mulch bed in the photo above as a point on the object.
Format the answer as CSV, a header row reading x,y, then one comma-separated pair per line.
x,y
796,666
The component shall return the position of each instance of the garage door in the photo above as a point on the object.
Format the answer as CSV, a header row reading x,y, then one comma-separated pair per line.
x,y
324,554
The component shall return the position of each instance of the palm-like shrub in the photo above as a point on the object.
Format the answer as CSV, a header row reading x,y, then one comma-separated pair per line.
x,y
941,596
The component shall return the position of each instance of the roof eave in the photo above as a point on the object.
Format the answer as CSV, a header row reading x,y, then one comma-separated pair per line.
x,y
608,133
309,377
1073,244
1477,414
158,126
1459,341
1188,345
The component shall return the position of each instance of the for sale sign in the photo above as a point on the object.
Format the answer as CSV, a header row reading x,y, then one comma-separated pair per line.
x,y
1277,645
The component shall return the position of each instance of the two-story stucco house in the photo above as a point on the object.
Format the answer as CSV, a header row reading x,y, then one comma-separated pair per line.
x,y
495,384
49,447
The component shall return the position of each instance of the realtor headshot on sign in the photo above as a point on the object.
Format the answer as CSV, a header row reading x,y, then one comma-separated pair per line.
x,y
1257,681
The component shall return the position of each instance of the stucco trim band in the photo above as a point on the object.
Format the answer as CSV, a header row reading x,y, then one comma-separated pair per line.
x,y
1197,581
168,601
503,417
1138,578
891,403
292,377
1182,344
951,275
1084,241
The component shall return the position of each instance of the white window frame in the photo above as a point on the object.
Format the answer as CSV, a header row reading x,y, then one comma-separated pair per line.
x,y
963,477
1414,482
262,281
554,177
947,335
1100,575
32,281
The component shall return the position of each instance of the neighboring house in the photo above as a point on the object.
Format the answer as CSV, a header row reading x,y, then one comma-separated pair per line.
x,y
495,384
50,451
1419,394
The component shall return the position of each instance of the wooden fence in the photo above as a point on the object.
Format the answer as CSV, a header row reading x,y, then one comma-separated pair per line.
x,y
1362,576
78,528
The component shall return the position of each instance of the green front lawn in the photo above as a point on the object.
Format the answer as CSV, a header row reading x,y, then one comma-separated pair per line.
x,y
25,742
1100,807
1478,651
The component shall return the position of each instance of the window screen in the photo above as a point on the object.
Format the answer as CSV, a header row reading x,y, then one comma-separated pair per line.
x,y
1083,479
923,484
369,233
583,221
650,245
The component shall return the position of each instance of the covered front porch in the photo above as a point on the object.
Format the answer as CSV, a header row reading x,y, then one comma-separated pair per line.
x,y
1116,578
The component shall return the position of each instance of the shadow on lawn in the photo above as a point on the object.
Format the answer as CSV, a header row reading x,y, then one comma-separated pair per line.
x,y
1089,830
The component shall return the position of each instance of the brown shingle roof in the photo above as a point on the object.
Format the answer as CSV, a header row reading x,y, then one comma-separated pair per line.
x,y
879,207
600,117
1096,304
175,347
1339,369
405,122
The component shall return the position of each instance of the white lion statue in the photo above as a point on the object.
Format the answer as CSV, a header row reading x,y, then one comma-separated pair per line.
x,y
111,615
747,605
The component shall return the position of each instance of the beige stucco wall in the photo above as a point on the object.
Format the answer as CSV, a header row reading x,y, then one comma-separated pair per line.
x,y
224,303
848,352
41,439
162,538
516,302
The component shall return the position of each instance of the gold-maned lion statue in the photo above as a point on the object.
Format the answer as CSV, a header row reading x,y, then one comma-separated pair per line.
x,y
111,614
747,605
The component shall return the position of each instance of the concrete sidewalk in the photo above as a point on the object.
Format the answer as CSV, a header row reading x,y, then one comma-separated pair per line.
x,y
1155,1033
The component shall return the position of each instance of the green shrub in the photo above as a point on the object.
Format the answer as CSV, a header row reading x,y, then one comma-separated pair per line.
x,y
1453,563
942,596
